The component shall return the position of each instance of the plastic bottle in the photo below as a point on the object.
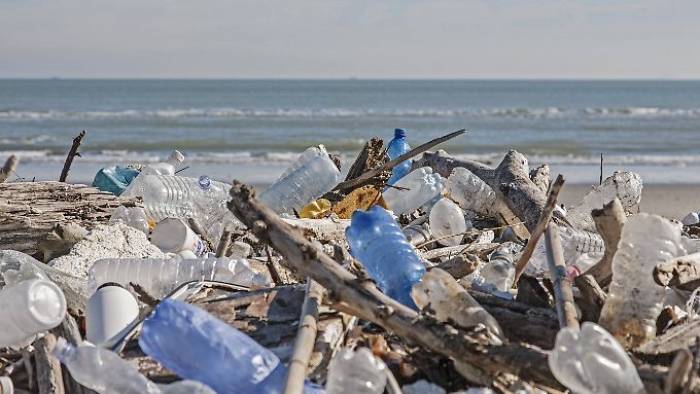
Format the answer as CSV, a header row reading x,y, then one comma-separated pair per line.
x,y
582,249
377,242
134,217
634,299
105,372
357,372
627,186
312,175
417,234
593,362
114,179
172,235
449,301
29,307
167,167
470,192
110,310
500,269
416,188
446,218
691,219
195,345
160,276
397,147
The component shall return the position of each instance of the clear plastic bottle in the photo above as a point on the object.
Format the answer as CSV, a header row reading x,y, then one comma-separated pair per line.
x,y
582,249
500,269
593,362
106,373
29,307
167,167
634,299
357,372
470,192
397,147
307,179
160,276
195,345
377,241
447,218
416,189
134,217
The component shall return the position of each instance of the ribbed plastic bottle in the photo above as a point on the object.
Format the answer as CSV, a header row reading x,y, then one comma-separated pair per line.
x,y
634,299
377,241
105,372
627,186
160,276
397,147
307,179
356,372
414,190
29,307
470,192
582,249
167,167
593,362
195,345
447,218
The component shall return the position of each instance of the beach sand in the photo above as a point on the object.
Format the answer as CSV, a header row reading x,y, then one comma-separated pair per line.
x,y
671,201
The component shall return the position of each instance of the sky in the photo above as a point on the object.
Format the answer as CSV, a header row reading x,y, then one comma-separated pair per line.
x,y
354,38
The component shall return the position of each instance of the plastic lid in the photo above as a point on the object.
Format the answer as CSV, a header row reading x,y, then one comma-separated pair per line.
x,y
204,182
6,385
399,133
47,304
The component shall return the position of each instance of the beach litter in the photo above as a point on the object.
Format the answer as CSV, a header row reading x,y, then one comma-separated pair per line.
x,y
418,273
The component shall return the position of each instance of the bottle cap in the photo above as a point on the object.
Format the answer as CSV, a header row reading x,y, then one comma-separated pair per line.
x,y
399,133
6,385
204,182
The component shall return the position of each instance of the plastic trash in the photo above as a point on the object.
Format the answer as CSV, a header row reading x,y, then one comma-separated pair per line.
x,y
172,235
6,385
582,249
446,218
114,179
377,241
691,219
449,301
634,299
357,372
470,192
134,217
422,387
417,234
500,269
315,209
105,372
161,276
109,311
195,345
593,362
307,179
29,307
397,147
167,167
417,188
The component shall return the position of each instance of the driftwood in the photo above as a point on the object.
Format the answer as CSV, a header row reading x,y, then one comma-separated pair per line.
x,y
29,211
71,155
563,295
593,297
480,250
540,177
9,167
608,222
224,243
48,368
371,157
681,272
306,337
460,266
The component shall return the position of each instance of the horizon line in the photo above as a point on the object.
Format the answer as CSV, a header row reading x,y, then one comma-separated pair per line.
x,y
485,79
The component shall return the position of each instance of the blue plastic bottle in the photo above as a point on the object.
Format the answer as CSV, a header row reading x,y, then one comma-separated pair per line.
x,y
377,241
196,345
397,147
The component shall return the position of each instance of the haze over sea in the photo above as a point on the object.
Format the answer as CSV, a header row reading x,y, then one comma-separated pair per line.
x,y
252,129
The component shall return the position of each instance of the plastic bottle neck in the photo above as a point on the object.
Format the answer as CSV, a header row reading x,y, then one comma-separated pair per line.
x,y
63,350
399,134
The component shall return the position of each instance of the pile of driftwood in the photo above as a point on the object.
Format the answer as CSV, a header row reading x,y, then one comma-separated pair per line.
x,y
323,299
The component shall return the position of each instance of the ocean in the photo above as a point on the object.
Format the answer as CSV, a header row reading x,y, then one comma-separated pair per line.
x,y
251,129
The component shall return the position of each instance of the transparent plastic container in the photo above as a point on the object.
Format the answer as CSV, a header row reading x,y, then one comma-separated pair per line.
x,y
30,307
417,188
134,217
357,372
161,276
447,218
582,249
500,269
377,241
168,167
470,192
397,147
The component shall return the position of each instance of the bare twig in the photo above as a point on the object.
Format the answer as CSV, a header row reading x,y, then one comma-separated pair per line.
x,y
563,295
305,340
144,296
274,275
71,155
9,167
224,243
600,181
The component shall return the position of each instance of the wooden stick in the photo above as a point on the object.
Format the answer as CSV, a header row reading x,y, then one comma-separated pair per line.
x,y
224,243
48,369
9,167
305,340
71,155
609,222
600,181
563,294
540,227
364,178
593,297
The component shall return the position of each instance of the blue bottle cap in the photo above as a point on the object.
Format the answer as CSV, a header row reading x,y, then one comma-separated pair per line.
x,y
399,133
204,182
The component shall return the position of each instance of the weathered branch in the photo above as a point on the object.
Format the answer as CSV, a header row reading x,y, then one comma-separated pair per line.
x,y
224,243
563,295
608,222
48,368
71,155
371,156
593,297
681,272
9,167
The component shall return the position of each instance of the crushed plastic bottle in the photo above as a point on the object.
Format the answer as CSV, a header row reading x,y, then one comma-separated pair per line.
x,y
357,372
160,276
470,192
593,362
449,301
114,179
582,249
307,179
29,307
134,217
446,218
397,147
422,184
195,345
634,299
377,241
500,269
167,167
106,373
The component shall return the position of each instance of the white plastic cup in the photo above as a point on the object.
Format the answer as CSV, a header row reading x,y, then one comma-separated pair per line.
x,y
172,235
109,311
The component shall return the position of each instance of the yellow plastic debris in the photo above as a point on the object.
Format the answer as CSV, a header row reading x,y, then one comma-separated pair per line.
x,y
315,209
361,198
